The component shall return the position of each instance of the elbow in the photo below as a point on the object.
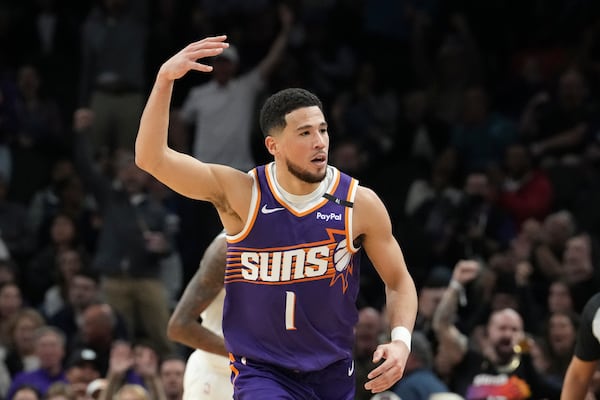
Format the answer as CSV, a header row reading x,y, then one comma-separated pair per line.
x,y
175,329
143,161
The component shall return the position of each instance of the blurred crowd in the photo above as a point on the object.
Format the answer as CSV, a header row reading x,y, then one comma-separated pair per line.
x,y
476,122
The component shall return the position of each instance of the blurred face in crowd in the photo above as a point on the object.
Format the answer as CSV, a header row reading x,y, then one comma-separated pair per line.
x,y
26,394
23,335
559,297
50,349
505,330
83,291
10,299
171,375
69,263
517,161
561,333
63,230
367,331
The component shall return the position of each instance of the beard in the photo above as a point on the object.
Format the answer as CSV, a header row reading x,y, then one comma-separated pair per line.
x,y
304,175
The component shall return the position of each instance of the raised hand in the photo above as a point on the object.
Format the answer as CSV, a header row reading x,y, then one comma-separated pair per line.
x,y
187,58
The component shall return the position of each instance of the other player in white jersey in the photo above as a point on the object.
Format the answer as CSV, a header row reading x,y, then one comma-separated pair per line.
x,y
207,374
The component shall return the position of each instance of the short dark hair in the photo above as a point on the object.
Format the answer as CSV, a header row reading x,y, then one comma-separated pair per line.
x,y
283,102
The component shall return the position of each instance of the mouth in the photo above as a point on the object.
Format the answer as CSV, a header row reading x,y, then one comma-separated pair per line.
x,y
319,160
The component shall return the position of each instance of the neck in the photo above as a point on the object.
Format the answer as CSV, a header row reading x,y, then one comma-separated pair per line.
x,y
291,183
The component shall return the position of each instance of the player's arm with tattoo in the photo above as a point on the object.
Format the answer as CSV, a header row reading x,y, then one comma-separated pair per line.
x,y
184,326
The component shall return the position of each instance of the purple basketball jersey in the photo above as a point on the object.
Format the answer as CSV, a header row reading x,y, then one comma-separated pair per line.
x,y
292,279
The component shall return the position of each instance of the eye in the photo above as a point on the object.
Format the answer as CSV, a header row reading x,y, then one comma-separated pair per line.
x,y
305,133
323,131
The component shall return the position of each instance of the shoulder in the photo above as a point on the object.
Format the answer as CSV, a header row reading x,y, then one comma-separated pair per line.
x,y
369,210
367,200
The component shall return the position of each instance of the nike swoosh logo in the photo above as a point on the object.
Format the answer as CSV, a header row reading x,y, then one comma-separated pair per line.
x,y
351,369
266,210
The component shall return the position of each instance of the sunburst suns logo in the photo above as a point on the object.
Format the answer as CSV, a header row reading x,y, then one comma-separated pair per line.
x,y
343,267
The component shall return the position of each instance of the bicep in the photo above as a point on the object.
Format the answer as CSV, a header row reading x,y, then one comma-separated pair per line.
x,y
201,290
378,241
198,180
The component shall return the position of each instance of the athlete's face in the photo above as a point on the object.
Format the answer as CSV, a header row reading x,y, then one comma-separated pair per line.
x,y
303,145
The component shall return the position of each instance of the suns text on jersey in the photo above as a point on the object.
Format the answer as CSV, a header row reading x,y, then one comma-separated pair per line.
x,y
285,265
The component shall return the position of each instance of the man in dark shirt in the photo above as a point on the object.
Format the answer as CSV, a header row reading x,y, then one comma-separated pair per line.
x,y
501,368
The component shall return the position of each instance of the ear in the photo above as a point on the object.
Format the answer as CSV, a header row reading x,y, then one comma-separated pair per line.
x,y
271,145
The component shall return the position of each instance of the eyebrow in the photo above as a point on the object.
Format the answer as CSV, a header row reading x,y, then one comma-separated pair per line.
x,y
304,127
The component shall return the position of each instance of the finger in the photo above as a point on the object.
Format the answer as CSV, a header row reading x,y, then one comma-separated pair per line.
x,y
379,384
381,369
200,67
210,39
203,53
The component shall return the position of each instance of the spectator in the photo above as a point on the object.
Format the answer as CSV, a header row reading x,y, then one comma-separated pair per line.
x,y
228,140
81,369
560,297
525,191
98,332
171,376
50,349
484,227
556,124
499,367
27,392
83,290
578,268
21,355
11,301
561,332
42,272
69,263
39,135
113,68
480,136
134,238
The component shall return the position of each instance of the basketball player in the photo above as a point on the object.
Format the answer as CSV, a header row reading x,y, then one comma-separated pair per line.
x,y
295,228
587,353
207,374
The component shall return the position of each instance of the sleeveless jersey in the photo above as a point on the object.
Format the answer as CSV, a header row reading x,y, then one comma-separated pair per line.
x,y
292,278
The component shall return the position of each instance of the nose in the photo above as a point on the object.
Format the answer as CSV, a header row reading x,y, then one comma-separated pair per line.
x,y
320,141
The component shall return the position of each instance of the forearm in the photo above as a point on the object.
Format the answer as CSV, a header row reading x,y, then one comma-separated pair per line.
x,y
151,142
445,313
196,336
577,379
401,303
275,53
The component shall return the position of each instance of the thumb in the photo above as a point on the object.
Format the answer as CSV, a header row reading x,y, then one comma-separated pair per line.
x,y
377,355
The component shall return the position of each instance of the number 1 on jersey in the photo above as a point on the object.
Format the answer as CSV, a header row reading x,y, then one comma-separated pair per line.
x,y
290,310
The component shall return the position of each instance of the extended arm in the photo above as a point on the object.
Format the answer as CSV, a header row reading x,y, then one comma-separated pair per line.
x,y
227,188
374,225
200,292
577,379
